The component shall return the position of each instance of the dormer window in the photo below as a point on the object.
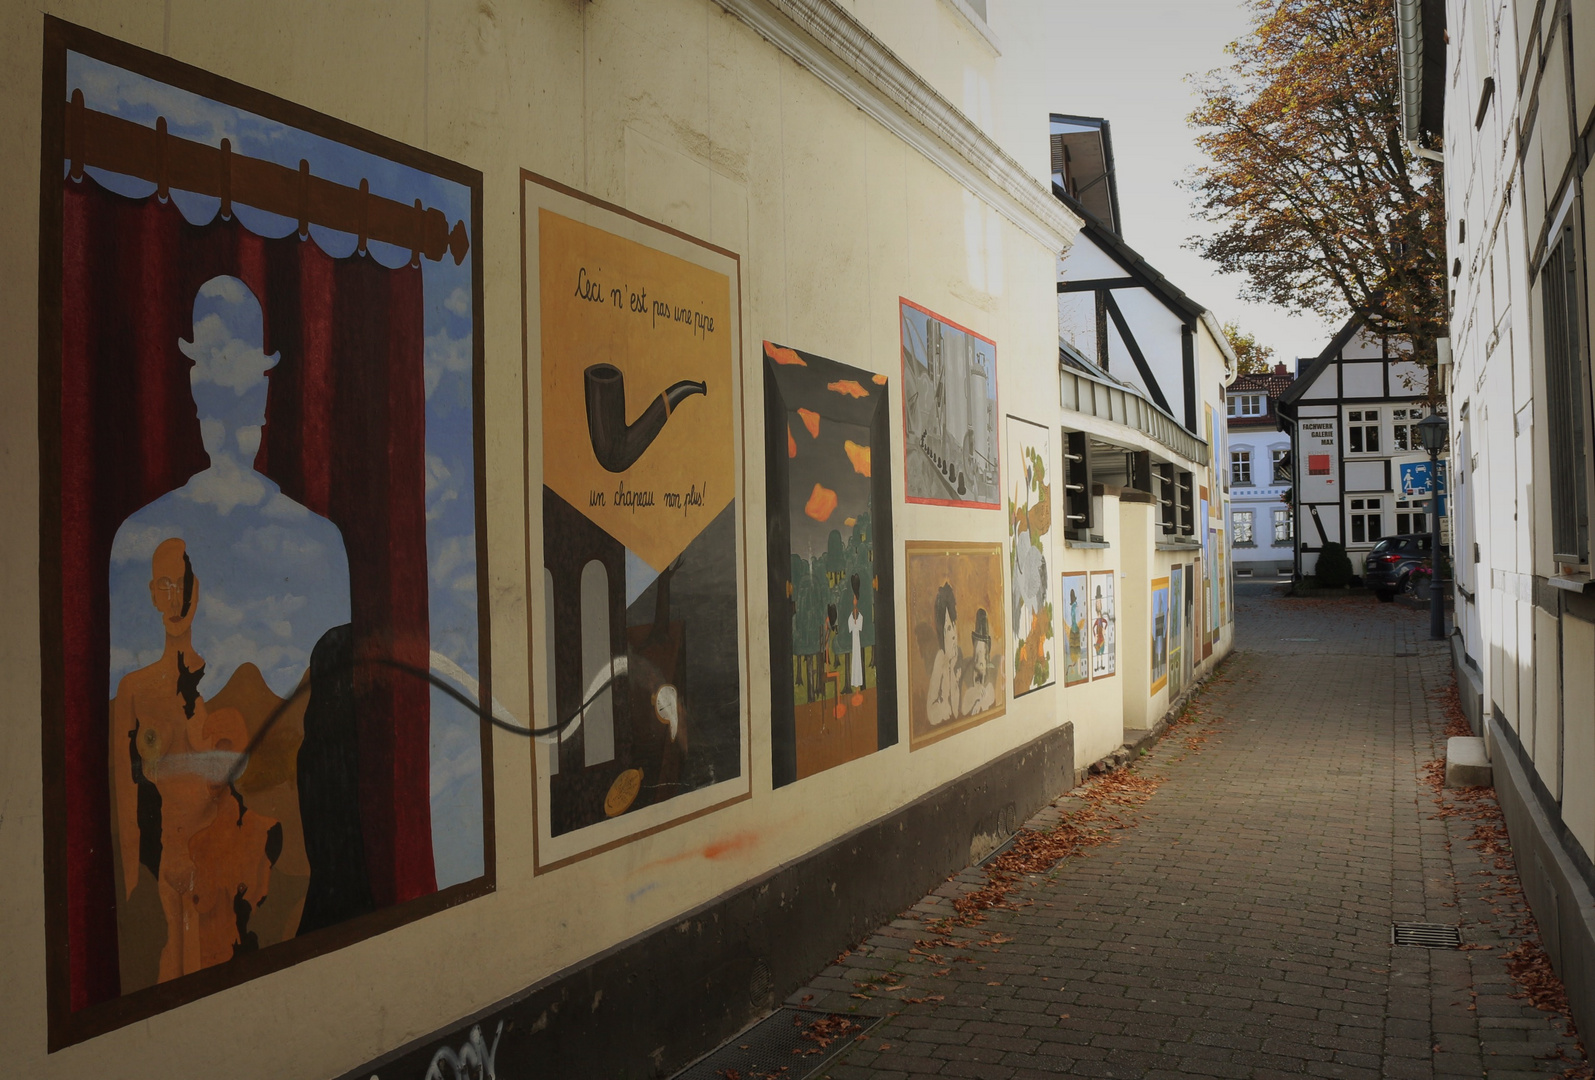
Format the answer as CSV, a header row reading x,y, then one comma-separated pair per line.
x,y
1246,405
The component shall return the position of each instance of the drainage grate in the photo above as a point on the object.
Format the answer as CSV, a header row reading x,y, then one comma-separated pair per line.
x,y
1425,935
998,850
789,1044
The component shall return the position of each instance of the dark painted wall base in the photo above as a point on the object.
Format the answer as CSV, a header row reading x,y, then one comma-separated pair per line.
x,y
649,1005
1555,871
1470,685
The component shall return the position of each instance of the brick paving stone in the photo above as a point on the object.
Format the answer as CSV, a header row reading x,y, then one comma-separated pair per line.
x,y
1240,926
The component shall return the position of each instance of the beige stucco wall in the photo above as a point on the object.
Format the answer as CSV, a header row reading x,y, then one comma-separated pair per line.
x,y
678,112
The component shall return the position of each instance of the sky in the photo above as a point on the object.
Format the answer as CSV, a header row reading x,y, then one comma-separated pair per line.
x,y
1131,67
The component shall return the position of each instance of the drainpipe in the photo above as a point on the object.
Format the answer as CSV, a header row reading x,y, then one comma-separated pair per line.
x,y
1409,36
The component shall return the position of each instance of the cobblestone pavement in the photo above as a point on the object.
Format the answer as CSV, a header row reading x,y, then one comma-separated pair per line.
x,y
1239,925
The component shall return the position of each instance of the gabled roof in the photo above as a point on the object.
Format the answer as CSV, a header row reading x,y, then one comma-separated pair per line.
x,y
1082,152
1266,382
1331,353
1131,261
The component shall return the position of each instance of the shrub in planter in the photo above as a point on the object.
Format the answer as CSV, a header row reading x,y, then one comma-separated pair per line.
x,y
1334,567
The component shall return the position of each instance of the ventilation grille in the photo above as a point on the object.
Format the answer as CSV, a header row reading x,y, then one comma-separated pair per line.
x,y
789,1044
1425,935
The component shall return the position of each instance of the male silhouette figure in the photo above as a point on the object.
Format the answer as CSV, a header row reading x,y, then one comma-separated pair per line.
x,y
276,580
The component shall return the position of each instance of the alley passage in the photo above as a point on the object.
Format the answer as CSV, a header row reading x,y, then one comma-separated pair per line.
x,y
1239,925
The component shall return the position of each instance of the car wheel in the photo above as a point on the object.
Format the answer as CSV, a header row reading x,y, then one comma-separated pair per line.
x,y
1404,585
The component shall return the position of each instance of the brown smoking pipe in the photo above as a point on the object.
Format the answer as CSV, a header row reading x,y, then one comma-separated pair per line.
x,y
616,444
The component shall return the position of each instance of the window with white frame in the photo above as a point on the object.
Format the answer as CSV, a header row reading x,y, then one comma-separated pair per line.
x,y
1246,405
1411,516
1403,436
1281,474
1241,523
1568,473
1362,431
1240,466
1365,521
1284,528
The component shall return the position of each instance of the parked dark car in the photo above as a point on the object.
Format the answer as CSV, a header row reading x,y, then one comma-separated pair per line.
x,y
1387,569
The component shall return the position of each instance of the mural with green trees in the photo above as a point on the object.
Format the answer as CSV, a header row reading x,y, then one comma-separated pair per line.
x,y
829,500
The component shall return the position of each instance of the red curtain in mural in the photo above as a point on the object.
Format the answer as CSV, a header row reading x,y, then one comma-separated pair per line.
x,y
345,436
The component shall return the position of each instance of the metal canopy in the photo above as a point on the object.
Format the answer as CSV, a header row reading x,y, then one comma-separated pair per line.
x,y
1091,393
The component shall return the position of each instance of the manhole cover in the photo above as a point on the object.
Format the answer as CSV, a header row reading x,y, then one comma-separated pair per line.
x,y
789,1044
1425,935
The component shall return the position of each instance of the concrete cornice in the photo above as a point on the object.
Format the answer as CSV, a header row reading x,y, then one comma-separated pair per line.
x,y
842,53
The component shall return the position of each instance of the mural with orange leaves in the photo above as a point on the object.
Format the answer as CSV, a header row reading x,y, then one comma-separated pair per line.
x,y
829,502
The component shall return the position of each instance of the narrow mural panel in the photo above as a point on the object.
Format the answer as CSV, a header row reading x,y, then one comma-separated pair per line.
x,y
1209,576
634,331
1079,625
1176,629
828,491
1104,624
262,432
949,412
958,648
1193,648
1160,634
1030,554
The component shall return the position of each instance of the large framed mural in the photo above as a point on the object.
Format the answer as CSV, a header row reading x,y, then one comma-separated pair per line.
x,y
1160,634
1104,624
1030,560
634,365
950,455
265,634
828,499
1075,599
959,646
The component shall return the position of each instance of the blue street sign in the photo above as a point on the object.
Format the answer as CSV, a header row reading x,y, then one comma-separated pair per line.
x,y
1415,478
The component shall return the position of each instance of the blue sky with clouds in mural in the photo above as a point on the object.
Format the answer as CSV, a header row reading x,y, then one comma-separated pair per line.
x,y
255,534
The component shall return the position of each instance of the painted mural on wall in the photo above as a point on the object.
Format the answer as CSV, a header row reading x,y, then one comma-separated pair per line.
x,y
262,424
828,495
635,336
1210,541
1104,624
1160,634
1078,628
949,412
1176,629
1029,482
1193,647
959,645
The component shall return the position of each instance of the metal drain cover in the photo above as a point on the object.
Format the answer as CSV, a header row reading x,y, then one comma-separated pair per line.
x,y
789,1044
1424,935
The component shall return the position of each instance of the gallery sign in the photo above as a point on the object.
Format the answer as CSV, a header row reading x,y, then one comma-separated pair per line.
x,y
1319,481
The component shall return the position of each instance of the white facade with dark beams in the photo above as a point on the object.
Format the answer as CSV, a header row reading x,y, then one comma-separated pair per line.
x,y
1142,371
1518,106
1351,415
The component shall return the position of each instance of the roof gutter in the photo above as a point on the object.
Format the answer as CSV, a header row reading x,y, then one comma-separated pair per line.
x,y
1409,38
1232,364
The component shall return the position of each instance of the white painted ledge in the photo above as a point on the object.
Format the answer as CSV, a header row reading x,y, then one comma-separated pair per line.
x,y
842,53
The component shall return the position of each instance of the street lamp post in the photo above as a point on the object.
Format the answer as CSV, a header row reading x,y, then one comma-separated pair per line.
x,y
1432,432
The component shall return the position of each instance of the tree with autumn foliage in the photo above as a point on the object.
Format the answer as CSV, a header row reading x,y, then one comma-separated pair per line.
x,y
1318,200
1252,356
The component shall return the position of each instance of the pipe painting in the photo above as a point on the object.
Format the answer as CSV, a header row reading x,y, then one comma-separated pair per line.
x,y
617,444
